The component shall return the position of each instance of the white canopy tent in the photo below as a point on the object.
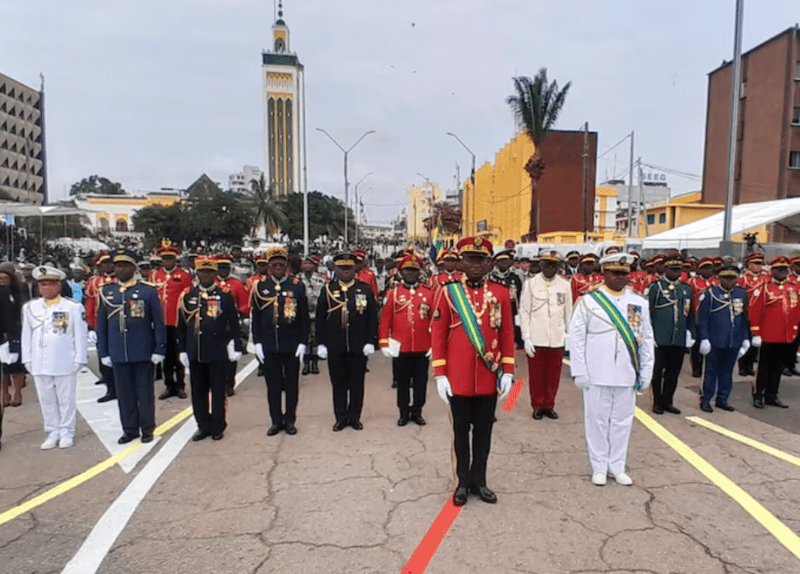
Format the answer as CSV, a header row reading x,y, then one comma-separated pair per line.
x,y
706,233
12,208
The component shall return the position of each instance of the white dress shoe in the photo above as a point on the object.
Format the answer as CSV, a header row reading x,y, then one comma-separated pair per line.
x,y
622,478
65,443
599,478
50,442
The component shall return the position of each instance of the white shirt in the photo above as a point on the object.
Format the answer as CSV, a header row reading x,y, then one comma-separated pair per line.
x,y
53,336
545,308
596,349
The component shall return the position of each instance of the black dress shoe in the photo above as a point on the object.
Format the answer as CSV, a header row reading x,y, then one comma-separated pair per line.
x,y
274,429
229,392
658,410
402,421
218,436
460,496
776,402
182,394
291,429
417,418
794,372
99,382
314,367
260,372
147,437
306,368
485,494
167,394
126,438
724,407
339,425
538,414
551,414
697,374
200,435
672,409
356,425
394,384
107,397
706,408
758,403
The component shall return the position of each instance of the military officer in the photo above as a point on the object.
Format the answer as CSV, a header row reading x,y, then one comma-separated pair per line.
x,y
233,285
774,315
207,340
472,340
53,343
750,280
105,274
723,329
611,355
131,338
364,273
658,267
587,279
702,280
502,274
313,283
638,277
573,261
347,332
241,266
281,328
171,282
446,263
671,312
404,336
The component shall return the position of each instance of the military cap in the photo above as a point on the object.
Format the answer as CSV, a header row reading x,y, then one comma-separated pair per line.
x,y
475,246
48,273
617,262
551,255
729,271
411,261
780,261
504,254
705,262
573,254
344,259
276,253
167,248
123,255
205,263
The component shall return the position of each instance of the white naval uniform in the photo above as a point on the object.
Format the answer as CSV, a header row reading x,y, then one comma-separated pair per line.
x,y
53,350
545,308
598,352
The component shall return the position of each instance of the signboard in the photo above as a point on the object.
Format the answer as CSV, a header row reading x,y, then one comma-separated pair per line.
x,y
481,226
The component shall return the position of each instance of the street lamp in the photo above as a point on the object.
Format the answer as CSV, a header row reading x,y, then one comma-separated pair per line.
x,y
358,216
346,183
472,177
429,201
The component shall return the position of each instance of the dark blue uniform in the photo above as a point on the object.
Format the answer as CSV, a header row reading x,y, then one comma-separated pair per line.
x,y
722,319
130,330
281,322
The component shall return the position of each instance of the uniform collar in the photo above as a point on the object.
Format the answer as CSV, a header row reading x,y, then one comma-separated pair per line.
x,y
53,301
475,284
346,286
124,286
411,285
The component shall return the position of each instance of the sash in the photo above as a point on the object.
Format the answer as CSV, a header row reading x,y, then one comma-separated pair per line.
x,y
470,322
623,328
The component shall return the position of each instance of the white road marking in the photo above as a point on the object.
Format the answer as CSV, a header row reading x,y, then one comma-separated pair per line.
x,y
96,547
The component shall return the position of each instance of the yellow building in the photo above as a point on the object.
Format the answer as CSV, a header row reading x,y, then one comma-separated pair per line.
x,y
114,213
420,199
675,212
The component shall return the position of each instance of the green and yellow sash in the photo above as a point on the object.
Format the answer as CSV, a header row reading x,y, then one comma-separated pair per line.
x,y
470,322
624,329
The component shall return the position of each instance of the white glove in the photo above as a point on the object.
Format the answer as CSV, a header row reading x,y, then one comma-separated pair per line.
x,y
645,384
233,354
757,341
106,361
368,349
689,340
155,358
744,348
444,388
386,352
29,367
259,352
705,347
12,358
530,348
322,352
92,338
5,356
250,348
76,367
246,322
582,382
301,350
184,359
429,353
506,382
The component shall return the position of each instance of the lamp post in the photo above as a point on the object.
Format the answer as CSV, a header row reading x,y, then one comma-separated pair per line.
x,y
736,85
346,183
472,178
358,216
429,201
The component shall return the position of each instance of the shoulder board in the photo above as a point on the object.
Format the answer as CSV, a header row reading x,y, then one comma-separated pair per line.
x,y
450,282
147,283
295,280
497,280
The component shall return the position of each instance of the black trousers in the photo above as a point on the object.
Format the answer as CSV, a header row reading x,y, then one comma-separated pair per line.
x,y
347,378
795,347
207,377
667,367
747,360
411,371
476,414
772,359
107,373
136,396
282,374
697,359
230,373
173,370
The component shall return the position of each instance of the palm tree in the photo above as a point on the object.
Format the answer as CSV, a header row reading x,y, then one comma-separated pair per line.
x,y
266,207
536,107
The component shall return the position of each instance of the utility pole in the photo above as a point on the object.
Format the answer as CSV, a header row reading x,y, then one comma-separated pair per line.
x,y
585,182
305,168
630,192
642,203
358,213
474,185
726,247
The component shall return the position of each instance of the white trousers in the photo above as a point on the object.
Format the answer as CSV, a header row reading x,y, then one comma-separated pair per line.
x,y
608,417
57,400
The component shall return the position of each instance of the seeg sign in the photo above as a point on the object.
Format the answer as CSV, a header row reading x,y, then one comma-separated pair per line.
x,y
660,177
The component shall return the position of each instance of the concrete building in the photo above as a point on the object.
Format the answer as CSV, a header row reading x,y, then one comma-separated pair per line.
x,y
284,112
376,232
767,164
240,182
500,202
22,142
420,199
675,212
113,214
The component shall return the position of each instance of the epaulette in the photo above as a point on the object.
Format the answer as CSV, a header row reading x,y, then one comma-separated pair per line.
x,y
494,279
295,280
147,283
450,282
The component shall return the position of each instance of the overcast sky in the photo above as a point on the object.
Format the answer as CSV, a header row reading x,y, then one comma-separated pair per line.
x,y
154,93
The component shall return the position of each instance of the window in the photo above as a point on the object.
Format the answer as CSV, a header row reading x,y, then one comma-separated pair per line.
x,y
796,116
651,219
794,160
797,71
122,225
662,218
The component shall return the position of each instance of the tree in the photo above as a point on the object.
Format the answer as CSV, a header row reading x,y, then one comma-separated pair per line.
x,y
221,219
536,107
325,216
266,208
96,184
159,221
451,218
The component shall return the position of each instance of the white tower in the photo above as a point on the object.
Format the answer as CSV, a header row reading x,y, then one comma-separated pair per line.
x,y
284,111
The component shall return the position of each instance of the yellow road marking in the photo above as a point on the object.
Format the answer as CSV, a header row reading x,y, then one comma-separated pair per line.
x,y
746,440
763,516
76,481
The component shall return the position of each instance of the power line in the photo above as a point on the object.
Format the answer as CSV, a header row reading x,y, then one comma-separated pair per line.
x,y
613,146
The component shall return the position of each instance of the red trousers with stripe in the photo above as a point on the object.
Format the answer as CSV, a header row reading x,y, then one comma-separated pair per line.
x,y
544,374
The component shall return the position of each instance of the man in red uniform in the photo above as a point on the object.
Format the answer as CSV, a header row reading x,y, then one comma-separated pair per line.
x,y
750,280
471,371
105,274
446,263
637,277
702,280
774,314
658,270
171,281
364,273
230,284
262,272
404,336
586,279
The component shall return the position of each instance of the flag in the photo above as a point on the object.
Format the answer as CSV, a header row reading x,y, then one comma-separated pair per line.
x,y
438,240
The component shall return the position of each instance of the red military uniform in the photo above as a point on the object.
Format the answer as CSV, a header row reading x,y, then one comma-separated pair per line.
x,y
406,317
437,280
237,289
750,282
91,297
171,285
582,284
636,281
368,277
774,312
